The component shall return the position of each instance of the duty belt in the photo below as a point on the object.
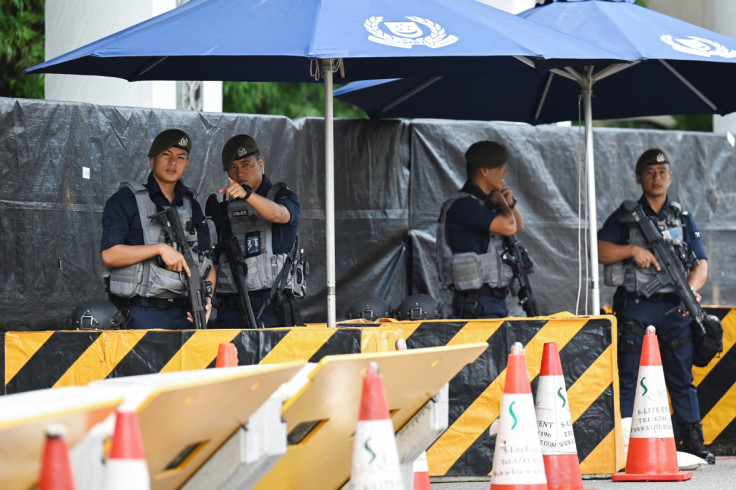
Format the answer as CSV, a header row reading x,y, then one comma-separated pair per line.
x,y
158,303
656,297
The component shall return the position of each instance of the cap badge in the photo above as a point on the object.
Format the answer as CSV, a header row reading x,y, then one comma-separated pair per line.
x,y
242,151
661,158
183,142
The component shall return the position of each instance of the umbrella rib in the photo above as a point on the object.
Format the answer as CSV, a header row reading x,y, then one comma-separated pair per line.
x,y
150,65
543,99
613,69
401,98
689,85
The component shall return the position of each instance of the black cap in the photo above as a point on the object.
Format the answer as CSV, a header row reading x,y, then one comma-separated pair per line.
x,y
167,139
486,154
655,156
237,148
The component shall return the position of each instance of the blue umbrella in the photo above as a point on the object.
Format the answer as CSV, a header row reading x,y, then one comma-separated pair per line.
x,y
680,68
287,40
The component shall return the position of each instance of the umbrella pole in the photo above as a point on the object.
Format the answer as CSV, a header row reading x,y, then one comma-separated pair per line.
x,y
329,192
587,89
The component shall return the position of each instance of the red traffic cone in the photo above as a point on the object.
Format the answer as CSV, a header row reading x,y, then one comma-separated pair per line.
x,y
227,355
554,425
126,466
56,471
375,455
517,459
652,454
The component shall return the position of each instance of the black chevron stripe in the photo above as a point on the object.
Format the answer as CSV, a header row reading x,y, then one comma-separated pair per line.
x,y
712,388
152,352
343,341
598,416
51,360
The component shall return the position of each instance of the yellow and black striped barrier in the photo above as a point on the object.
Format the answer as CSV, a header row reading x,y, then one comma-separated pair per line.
x,y
588,356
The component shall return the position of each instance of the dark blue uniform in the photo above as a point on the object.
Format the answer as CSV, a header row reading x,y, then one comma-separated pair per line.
x,y
673,329
467,228
229,312
121,224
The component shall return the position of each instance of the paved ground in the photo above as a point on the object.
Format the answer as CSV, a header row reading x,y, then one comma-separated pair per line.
x,y
721,476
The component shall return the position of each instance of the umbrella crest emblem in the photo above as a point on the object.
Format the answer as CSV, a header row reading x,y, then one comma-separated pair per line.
x,y
408,34
698,46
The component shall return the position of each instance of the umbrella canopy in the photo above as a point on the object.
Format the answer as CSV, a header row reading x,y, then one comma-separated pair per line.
x,y
284,40
680,68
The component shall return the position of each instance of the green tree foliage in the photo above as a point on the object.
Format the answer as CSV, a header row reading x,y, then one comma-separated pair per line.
x,y
21,46
281,98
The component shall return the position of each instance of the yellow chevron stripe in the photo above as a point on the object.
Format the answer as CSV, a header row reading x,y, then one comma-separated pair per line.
x,y
18,353
94,363
720,416
485,409
298,343
476,331
199,350
605,458
594,381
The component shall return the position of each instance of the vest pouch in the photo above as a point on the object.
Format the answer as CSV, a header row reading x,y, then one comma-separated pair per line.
x,y
613,274
466,271
125,281
165,283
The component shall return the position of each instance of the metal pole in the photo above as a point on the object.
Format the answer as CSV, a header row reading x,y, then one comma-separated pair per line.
x,y
587,85
329,193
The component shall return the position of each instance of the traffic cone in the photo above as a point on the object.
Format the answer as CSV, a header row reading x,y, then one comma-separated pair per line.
x,y
652,454
56,471
554,425
375,455
517,459
420,466
227,355
126,466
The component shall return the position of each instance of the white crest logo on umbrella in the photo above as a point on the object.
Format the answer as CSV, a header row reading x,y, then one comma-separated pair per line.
x,y
408,34
698,46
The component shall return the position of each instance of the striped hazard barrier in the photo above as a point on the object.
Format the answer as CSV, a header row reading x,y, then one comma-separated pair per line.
x,y
36,360
587,354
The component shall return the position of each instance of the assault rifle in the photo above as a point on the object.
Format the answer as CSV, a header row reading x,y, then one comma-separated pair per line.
x,y
196,285
234,254
671,274
517,257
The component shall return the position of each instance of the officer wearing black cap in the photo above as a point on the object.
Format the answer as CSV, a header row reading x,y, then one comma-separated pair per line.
x,y
143,272
470,234
629,264
264,218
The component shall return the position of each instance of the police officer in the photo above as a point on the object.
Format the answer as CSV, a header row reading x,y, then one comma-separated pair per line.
x,y
470,234
264,218
144,272
629,266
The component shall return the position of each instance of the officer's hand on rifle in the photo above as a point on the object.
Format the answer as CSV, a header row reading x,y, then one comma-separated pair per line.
x,y
644,258
207,311
173,259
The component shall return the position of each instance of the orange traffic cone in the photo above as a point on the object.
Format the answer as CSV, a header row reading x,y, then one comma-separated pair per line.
x,y
420,466
375,455
555,425
126,466
56,471
227,356
652,454
421,472
517,459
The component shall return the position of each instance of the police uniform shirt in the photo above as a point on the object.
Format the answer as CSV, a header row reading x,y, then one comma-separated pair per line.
x,y
121,222
283,234
468,221
614,231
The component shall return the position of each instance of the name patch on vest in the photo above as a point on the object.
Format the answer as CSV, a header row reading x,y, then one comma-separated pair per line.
x,y
237,214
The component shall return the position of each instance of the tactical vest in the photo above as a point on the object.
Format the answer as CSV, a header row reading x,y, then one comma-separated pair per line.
x,y
469,270
148,278
254,235
626,273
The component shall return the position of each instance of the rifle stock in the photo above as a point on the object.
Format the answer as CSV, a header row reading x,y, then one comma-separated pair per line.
x,y
171,224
